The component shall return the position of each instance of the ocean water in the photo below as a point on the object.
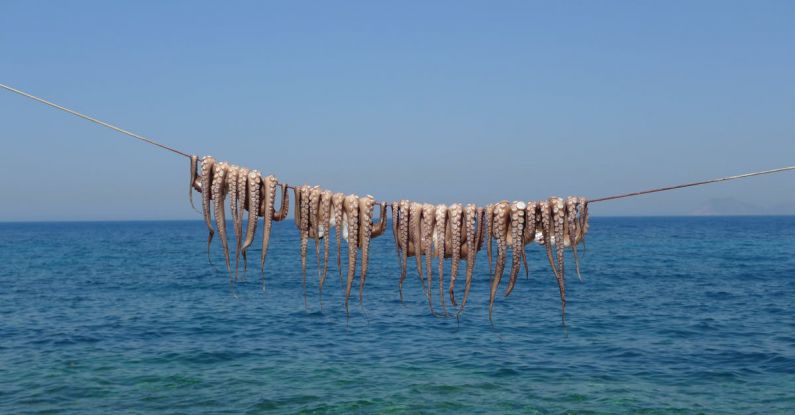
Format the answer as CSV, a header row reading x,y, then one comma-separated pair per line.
x,y
675,315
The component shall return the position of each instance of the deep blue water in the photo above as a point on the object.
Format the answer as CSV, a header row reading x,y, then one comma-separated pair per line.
x,y
676,315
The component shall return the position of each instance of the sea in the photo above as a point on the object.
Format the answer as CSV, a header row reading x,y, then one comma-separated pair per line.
x,y
674,315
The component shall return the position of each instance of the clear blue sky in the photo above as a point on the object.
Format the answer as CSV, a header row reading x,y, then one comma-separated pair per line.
x,y
432,101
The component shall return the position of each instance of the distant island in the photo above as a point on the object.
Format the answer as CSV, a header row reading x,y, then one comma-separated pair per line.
x,y
727,206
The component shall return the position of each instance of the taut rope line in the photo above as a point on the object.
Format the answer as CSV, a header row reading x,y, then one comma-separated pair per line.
x,y
601,199
679,186
94,120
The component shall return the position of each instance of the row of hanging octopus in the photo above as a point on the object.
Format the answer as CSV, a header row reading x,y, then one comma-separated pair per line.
x,y
457,232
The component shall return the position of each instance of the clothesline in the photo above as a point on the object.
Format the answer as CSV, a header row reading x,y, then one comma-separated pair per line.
x,y
184,154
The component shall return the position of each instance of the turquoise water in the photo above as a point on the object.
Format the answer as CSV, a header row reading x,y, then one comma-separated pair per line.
x,y
676,315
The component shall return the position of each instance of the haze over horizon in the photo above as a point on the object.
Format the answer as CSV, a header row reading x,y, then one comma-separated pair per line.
x,y
440,102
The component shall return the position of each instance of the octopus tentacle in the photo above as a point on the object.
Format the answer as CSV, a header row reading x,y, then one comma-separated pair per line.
x,y
394,207
548,232
231,186
268,196
455,213
558,215
570,231
337,200
529,230
500,229
415,232
206,183
470,213
426,244
582,227
365,234
517,218
314,224
219,194
403,240
440,227
254,183
304,229
194,166
351,206
324,232
489,231
242,192
396,219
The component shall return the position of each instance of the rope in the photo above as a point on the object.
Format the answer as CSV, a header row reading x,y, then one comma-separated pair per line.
x,y
94,120
679,186
601,199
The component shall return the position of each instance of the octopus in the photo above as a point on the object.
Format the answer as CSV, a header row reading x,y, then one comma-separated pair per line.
x,y
439,232
414,237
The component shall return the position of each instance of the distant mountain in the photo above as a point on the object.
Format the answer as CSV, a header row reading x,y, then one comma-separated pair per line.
x,y
727,206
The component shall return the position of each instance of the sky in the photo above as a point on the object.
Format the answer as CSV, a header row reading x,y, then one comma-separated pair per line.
x,y
441,101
